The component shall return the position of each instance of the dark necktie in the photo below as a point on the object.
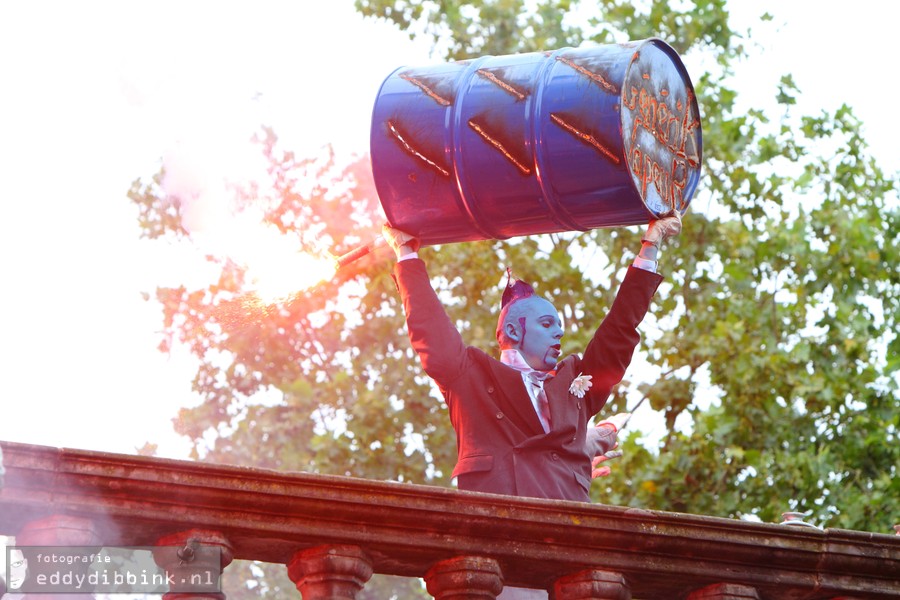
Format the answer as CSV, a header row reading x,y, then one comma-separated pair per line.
x,y
536,378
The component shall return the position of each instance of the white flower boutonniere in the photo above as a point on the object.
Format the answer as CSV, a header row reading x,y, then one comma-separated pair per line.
x,y
580,385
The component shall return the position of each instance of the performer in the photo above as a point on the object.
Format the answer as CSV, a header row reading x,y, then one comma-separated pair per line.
x,y
522,421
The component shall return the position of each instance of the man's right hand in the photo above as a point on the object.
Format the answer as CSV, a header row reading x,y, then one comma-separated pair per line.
x,y
403,243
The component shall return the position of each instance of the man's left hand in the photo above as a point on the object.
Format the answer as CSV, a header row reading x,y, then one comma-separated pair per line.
x,y
662,229
601,441
597,470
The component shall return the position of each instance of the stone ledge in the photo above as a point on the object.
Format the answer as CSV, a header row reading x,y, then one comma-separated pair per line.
x,y
269,516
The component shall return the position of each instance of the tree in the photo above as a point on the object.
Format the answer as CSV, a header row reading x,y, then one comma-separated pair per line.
x,y
774,342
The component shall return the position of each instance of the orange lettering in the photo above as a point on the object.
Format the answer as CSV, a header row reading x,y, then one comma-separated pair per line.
x,y
673,130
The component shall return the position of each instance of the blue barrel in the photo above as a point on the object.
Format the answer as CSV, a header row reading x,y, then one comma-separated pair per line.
x,y
543,142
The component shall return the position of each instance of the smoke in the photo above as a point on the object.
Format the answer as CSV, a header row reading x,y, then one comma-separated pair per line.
x,y
203,175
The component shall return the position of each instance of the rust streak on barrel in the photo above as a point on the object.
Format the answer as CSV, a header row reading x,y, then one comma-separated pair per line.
x,y
400,137
595,77
503,85
425,88
496,143
585,137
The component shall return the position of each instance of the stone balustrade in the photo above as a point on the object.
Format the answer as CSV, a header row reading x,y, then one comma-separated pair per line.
x,y
333,533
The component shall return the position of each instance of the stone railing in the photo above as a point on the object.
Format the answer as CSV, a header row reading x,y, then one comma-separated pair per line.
x,y
332,533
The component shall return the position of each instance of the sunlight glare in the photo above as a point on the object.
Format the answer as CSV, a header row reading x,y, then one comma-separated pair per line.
x,y
276,278
201,172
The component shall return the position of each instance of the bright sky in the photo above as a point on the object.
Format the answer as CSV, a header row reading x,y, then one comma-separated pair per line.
x,y
93,94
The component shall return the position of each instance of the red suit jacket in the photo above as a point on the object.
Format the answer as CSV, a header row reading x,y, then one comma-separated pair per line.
x,y
501,446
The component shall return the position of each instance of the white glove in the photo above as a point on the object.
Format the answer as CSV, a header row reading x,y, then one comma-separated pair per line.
x,y
403,243
662,229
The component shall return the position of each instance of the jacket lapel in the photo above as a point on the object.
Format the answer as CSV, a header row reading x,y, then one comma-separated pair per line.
x,y
557,389
516,401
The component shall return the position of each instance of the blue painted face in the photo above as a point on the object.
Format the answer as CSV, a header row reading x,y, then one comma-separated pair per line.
x,y
540,332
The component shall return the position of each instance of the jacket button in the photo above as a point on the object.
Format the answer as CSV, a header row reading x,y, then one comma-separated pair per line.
x,y
554,456
490,389
499,415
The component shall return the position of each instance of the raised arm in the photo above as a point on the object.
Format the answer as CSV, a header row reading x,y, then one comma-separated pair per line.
x,y
610,351
431,332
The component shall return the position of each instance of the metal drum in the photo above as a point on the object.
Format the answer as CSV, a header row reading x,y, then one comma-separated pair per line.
x,y
570,140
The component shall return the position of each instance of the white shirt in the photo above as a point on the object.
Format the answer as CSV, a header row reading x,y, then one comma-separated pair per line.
x,y
513,358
